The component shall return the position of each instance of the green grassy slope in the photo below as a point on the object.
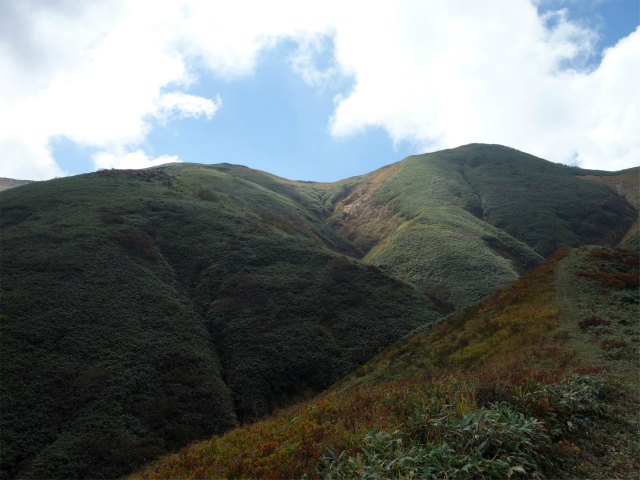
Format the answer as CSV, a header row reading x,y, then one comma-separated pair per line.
x,y
466,221
631,240
542,203
291,205
507,388
145,309
142,310
460,223
530,320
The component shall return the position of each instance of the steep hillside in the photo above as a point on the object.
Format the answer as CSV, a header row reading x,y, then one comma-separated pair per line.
x,y
626,184
463,222
466,221
510,387
142,310
533,320
7,183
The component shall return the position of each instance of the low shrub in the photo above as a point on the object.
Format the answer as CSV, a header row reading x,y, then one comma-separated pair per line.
x,y
604,278
493,441
207,196
612,343
111,218
630,280
593,322
138,242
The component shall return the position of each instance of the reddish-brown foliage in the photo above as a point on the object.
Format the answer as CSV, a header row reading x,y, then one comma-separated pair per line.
x,y
604,278
593,322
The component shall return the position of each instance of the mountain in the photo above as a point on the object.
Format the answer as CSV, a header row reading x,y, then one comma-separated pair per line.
x,y
143,310
515,384
627,184
6,183
464,221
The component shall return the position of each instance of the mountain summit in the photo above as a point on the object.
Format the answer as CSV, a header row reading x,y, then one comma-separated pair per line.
x,y
145,309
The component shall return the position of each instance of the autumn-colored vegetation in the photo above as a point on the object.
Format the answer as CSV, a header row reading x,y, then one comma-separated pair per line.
x,y
459,424
146,309
607,279
593,322
492,392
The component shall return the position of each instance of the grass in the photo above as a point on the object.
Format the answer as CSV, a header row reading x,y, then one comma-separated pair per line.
x,y
447,246
540,203
494,391
466,221
143,310
482,425
590,275
511,328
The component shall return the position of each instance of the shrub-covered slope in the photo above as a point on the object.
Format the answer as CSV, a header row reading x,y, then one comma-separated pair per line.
x,y
465,221
145,309
461,223
142,310
627,184
506,388
531,321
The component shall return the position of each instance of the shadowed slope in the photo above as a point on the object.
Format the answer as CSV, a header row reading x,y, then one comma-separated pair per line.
x,y
142,310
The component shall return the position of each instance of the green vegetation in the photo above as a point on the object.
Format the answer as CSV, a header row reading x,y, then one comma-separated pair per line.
x,y
143,310
631,241
604,285
139,314
466,221
494,391
513,328
449,248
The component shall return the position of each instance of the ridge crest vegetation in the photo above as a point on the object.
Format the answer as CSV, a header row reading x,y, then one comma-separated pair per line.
x,y
143,310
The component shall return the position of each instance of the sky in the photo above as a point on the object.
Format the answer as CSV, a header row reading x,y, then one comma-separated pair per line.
x,y
314,90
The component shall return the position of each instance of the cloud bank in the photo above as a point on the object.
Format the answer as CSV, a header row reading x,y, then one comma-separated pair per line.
x,y
438,74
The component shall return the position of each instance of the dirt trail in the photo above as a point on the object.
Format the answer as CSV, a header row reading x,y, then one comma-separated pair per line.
x,y
570,315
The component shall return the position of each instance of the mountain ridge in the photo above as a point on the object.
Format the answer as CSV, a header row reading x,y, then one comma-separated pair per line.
x,y
196,296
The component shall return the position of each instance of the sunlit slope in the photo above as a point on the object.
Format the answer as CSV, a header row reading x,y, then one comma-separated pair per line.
x,y
142,310
506,388
7,183
466,221
298,206
625,183
531,321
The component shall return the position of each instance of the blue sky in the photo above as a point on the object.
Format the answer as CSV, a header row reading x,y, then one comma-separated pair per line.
x,y
314,94
276,122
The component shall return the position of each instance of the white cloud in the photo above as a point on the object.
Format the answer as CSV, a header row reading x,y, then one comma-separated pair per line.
x,y
101,85
438,74
186,105
23,160
493,72
137,159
